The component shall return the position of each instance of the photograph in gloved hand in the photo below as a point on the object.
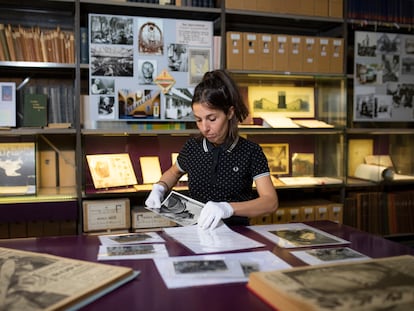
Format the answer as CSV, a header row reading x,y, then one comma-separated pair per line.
x,y
179,208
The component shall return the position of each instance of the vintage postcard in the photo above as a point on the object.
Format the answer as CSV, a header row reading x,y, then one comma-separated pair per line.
x,y
328,255
141,251
199,270
293,235
131,238
179,208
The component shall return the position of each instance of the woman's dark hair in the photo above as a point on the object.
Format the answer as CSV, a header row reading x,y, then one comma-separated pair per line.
x,y
219,91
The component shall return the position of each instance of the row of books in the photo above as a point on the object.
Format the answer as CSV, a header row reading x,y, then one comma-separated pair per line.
x,y
58,103
195,3
380,213
34,44
279,52
26,229
390,11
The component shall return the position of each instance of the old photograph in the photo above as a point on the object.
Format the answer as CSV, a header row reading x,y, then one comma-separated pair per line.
x,y
112,61
179,208
328,255
278,157
111,30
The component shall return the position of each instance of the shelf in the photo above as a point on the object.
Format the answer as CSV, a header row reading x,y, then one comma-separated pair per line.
x,y
247,21
35,131
43,195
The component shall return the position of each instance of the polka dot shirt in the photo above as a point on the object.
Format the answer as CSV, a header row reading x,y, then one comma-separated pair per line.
x,y
224,173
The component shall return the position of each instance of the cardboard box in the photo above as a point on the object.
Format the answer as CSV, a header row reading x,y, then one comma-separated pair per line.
x,y
336,8
249,5
266,51
67,168
48,169
321,8
142,218
280,216
307,7
322,212
294,214
309,55
337,56
233,4
280,52
308,213
106,215
324,55
234,50
336,212
250,51
295,49
261,220
291,6
264,5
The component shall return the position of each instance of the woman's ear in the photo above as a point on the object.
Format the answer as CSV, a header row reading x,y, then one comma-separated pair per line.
x,y
230,114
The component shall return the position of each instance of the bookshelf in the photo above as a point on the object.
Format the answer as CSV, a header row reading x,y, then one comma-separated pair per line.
x,y
332,96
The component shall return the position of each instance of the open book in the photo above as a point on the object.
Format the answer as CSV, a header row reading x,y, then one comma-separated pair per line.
x,y
37,281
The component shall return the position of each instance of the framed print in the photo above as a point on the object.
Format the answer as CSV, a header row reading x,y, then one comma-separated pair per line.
x,y
291,102
303,164
111,170
278,157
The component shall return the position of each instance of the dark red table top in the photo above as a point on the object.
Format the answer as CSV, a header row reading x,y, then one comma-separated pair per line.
x,y
148,292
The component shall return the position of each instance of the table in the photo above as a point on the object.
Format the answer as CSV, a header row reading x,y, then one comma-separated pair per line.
x,y
148,292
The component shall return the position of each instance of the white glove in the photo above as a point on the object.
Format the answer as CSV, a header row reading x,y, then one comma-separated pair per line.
x,y
213,212
156,196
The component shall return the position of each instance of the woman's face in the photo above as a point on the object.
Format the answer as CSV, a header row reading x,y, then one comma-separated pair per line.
x,y
212,123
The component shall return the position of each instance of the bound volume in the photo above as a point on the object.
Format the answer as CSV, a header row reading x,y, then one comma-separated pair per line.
x,y
35,110
38,281
373,284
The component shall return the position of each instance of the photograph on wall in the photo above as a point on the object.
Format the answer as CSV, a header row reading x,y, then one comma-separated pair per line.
x,y
383,88
136,61
278,157
291,102
178,104
17,168
150,37
199,64
138,103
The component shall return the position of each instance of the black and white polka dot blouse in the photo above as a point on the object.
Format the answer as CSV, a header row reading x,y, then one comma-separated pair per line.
x,y
222,174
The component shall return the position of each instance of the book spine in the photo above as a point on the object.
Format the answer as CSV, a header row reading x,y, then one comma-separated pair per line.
x,y
84,45
3,42
10,44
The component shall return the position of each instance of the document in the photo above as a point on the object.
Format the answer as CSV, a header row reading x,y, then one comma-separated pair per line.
x,y
199,270
221,239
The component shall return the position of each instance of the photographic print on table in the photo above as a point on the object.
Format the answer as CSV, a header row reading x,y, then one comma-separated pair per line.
x,y
278,157
179,208
328,255
294,235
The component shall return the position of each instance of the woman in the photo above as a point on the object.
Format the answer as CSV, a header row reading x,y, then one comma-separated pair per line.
x,y
221,165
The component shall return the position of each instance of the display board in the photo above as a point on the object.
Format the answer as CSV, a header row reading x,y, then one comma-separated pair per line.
x,y
144,68
383,79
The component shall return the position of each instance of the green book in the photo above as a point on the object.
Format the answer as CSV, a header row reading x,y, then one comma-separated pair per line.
x,y
35,110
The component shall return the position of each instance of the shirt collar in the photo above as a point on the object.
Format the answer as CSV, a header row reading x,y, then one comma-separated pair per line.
x,y
207,146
